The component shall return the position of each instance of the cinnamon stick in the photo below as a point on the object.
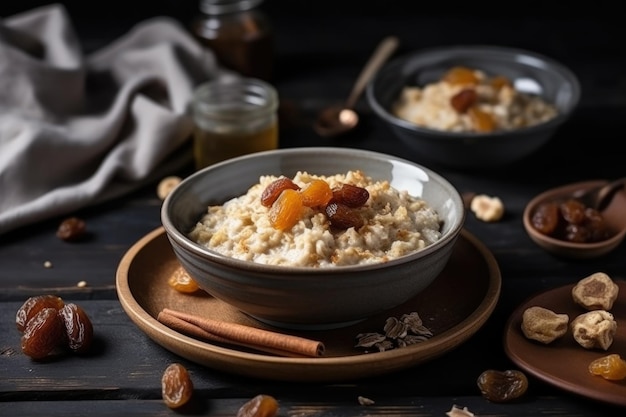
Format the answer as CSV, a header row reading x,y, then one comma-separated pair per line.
x,y
241,335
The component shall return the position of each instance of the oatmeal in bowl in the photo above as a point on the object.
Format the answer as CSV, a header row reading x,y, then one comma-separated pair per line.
x,y
474,106
330,264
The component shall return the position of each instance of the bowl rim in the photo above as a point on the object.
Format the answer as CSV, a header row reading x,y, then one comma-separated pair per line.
x,y
463,50
184,243
538,237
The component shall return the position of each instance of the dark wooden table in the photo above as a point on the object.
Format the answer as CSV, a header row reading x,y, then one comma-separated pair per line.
x,y
318,57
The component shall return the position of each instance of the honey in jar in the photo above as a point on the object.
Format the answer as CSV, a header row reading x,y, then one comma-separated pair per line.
x,y
233,117
238,33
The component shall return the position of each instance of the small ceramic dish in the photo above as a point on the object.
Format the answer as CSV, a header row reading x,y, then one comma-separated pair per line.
x,y
613,216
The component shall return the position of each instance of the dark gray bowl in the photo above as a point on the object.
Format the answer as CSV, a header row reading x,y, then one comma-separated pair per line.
x,y
306,297
531,73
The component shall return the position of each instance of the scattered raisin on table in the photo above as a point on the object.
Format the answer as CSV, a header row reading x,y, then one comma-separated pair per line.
x,y
44,333
78,327
502,386
34,305
259,406
72,229
182,282
176,386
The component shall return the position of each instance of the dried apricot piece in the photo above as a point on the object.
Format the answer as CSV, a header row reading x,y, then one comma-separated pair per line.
x,y
483,122
611,367
34,305
181,281
286,210
259,406
176,386
460,75
317,193
271,193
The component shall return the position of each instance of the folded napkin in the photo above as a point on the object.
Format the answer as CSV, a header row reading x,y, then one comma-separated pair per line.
x,y
76,130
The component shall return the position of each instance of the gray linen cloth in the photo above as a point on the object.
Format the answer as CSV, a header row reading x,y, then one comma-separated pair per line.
x,y
77,130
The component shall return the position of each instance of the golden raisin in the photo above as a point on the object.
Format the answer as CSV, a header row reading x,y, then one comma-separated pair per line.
x,y
272,191
317,193
463,100
259,406
460,75
503,386
351,195
44,333
34,305
482,122
182,282
611,367
176,386
78,327
286,210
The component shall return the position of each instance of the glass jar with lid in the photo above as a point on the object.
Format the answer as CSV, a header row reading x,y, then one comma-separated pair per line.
x,y
233,117
239,34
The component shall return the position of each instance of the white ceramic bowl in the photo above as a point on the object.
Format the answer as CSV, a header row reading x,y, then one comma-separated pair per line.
x,y
530,73
307,297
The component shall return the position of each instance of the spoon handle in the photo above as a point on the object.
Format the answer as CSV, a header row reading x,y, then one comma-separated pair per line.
x,y
384,50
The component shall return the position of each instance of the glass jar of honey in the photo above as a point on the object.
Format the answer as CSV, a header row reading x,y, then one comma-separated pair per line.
x,y
233,117
239,34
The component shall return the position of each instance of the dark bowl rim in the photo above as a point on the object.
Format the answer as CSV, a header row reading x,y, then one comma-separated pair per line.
x,y
184,243
464,50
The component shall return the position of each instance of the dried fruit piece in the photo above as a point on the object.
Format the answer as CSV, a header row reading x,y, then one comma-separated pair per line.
x,y
166,185
181,281
463,100
573,211
44,333
34,305
595,292
275,188
176,386
594,329
500,81
482,121
546,218
543,325
342,216
611,367
351,195
260,406
286,210
317,193
502,386
460,75
78,327
486,208
71,229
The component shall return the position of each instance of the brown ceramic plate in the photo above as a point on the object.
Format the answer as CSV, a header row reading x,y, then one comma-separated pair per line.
x,y
454,307
563,363
613,215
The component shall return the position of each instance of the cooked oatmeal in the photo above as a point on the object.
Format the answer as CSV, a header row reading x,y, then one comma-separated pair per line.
x,y
396,224
483,104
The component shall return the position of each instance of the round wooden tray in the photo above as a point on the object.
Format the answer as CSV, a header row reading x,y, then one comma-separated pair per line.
x,y
454,307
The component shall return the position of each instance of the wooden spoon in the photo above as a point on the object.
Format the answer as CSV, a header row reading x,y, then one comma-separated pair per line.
x,y
600,197
339,119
